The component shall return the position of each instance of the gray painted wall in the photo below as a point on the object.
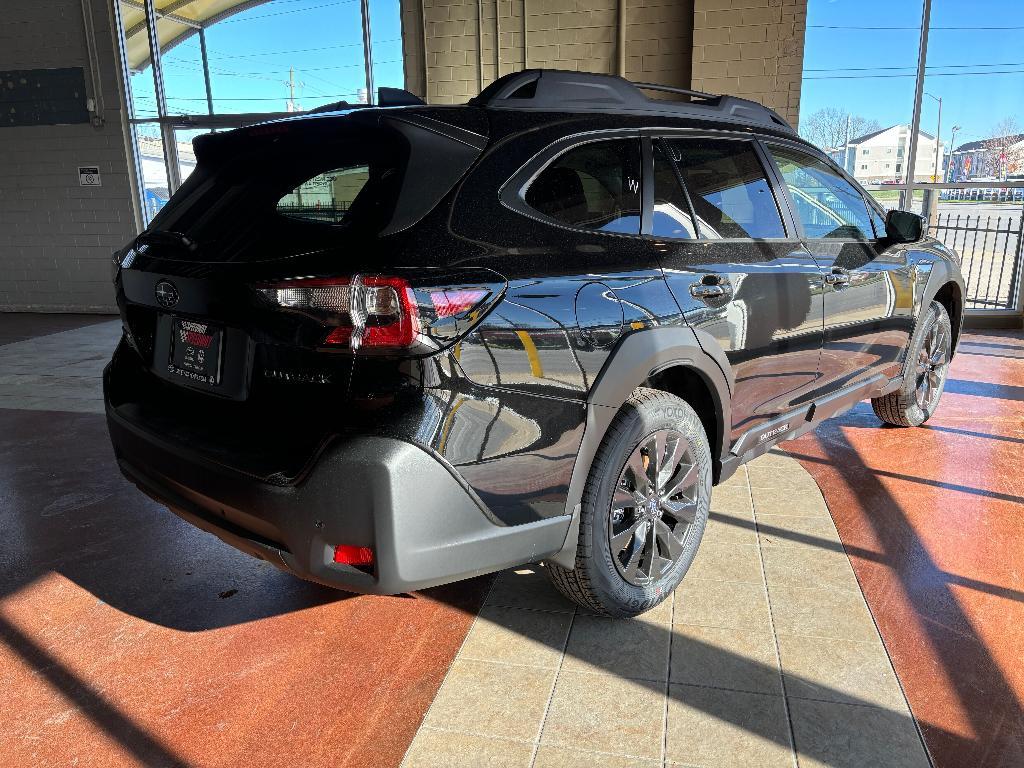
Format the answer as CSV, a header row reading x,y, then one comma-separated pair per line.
x,y
56,237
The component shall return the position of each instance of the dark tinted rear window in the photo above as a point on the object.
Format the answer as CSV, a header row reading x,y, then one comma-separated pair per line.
x,y
295,186
292,176
594,186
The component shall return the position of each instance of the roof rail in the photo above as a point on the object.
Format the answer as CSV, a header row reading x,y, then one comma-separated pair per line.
x,y
555,90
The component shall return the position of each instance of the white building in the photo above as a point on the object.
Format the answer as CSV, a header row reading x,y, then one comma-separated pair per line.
x,y
881,156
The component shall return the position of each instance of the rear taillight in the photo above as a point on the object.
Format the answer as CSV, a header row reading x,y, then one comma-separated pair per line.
x,y
366,311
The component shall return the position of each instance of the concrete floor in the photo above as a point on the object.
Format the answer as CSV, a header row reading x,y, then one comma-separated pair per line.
x,y
129,638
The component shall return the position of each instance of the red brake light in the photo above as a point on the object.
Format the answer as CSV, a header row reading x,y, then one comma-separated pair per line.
x,y
367,311
346,554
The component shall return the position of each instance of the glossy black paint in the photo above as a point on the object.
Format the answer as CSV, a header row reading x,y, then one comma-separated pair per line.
x,y
505,403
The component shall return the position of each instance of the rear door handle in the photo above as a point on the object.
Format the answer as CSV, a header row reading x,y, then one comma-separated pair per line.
x,y
711,288
837,277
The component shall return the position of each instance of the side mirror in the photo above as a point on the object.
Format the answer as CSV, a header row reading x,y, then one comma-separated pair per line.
x,y
903,226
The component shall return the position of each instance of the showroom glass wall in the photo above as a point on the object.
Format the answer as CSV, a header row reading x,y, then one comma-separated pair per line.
x,y
219,64
923,102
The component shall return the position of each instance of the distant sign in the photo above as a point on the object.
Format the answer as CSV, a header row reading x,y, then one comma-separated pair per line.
x,y
89,176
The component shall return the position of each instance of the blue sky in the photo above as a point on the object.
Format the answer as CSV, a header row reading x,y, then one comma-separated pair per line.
x,y
251,52
849,61
978,73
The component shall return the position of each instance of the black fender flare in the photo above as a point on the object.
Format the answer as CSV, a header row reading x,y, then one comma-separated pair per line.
x,y
635,358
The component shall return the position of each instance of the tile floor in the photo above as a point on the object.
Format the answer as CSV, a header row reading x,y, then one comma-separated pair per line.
x,y
766,655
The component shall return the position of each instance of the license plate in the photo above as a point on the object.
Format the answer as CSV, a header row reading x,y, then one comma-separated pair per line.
x,y
195,351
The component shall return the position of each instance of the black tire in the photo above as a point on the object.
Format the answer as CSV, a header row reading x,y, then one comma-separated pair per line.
x,y
606,579
924,373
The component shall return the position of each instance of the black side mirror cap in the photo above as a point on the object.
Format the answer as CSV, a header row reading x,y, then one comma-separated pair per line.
x,y
903,226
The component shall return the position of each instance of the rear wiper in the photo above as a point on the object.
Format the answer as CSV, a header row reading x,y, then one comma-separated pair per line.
x,y
159,236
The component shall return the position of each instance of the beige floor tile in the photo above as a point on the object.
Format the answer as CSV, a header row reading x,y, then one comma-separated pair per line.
x,y
517,636
492,700
738,479
788,478
527,587
732,498
787,501
443,749
720,561
560,757
794,531
822,613
808,567
844,736
840,670
721,604
605,713
732,515
659,614
738,659
724,729
627,648
729,527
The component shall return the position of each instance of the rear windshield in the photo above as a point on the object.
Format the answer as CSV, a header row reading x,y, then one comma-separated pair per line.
x,y
283,188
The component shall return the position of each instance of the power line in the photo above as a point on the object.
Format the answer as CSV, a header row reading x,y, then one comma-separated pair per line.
x,y
285,13
934,66
915,29
933,74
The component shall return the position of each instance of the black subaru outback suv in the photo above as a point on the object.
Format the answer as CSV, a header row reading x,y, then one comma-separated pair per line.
x,y
386,348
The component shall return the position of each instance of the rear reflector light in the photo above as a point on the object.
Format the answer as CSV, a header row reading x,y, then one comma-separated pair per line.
x,y
366,311
346,554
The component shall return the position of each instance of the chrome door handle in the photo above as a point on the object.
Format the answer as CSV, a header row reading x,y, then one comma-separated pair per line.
x,y
707,291
838,277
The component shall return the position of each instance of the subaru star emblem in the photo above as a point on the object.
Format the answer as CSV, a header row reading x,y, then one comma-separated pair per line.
x,y
166,294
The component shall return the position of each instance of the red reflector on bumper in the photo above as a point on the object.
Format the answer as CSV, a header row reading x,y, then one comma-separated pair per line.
x,y
346,554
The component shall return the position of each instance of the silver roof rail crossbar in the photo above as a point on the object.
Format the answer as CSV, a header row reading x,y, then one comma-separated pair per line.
x,y
671,89
555,90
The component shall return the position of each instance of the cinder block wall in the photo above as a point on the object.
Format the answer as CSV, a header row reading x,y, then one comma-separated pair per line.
x,y
55,236
751,48
561,34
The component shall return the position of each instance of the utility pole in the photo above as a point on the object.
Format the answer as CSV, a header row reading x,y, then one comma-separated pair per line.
x,y
292,106
938,140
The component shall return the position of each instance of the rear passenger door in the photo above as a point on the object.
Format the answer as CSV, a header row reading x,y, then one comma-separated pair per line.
x,y
739,273
869,293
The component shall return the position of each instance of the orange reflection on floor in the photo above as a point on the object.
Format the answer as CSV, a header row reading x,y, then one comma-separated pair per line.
x,y
933,521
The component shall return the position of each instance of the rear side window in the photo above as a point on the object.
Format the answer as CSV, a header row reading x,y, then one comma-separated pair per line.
x,y
326,197
827,205
594,186
728,188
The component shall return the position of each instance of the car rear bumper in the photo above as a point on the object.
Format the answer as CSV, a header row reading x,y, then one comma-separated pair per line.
x,y
423,523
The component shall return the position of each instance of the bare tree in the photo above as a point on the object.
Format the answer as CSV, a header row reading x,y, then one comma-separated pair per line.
x,y
1004,152
827,127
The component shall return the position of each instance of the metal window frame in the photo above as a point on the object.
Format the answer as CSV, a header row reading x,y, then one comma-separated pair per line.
x,y
211,120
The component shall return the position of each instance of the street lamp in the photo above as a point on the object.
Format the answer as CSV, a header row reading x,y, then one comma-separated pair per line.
x,y
938,135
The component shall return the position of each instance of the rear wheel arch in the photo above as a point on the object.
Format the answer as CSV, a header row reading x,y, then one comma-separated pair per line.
x,y
951,297
690,384
669,358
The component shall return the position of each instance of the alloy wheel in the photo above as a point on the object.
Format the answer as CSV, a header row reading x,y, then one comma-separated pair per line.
x,y
931,367
653,506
